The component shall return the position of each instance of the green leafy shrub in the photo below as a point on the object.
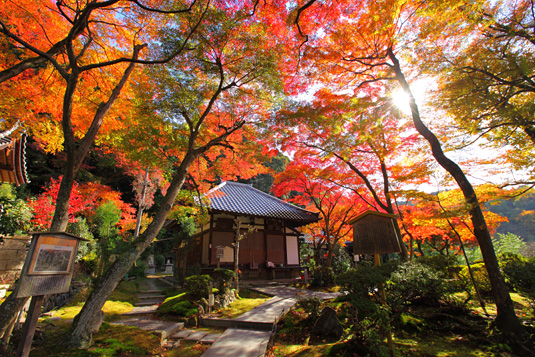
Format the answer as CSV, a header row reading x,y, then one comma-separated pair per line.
x,y
414,283
365,279
341,259
159,261
365,311
15,213
223,277
322,277
312,306
138,270
481,278
520,273
503,244
447,265
177,305
198,286
363,284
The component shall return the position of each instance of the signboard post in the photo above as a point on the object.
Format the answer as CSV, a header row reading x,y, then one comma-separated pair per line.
x,y
48,269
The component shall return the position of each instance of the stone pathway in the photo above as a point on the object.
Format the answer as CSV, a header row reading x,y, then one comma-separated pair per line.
x,y
246,336
142,316
253,342
240,342
150,298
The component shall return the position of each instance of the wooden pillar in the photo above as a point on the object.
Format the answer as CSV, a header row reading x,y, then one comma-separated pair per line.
x,y
210,229
265,242
285,244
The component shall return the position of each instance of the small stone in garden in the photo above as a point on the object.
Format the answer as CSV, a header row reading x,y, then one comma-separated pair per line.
x,y
328,324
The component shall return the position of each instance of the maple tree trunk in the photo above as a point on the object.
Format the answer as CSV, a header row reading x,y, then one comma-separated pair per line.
x,y
75,157
506,319
390,209
61,213
89,319
7,308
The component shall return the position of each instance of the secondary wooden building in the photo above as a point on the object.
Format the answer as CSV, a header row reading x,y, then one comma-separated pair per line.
x,y
270,247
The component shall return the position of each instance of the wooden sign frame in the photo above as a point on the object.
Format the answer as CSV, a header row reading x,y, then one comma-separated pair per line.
x,y
53,255
48,269
49,264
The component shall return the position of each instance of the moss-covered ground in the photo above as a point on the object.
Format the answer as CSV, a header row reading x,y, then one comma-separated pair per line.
x,y
118,340
443,330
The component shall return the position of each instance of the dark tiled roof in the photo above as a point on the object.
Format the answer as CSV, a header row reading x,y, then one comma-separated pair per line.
x,y
238,198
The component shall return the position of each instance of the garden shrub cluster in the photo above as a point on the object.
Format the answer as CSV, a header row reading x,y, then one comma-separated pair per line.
x,y
397,285
223,277
322,277
415,283
312,306
178,305
198,286
481,278
138,271
447,265
159,261
520,273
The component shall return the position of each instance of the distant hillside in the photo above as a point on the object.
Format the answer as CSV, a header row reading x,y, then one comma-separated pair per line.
x,y
521,214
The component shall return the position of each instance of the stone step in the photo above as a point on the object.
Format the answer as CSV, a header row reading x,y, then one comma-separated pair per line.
x,y
153,291
239,342
192,335
150,302
172,344
210,338
142,310
151,296
228,323
182,334
196,336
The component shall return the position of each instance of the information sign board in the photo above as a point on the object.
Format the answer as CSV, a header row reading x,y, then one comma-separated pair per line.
x,y
49,264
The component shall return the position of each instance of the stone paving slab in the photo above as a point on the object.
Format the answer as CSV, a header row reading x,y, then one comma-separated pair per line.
x,y
196,336
293,293
149,302
239,342
270,311
155,295
210,338
142,310
182,334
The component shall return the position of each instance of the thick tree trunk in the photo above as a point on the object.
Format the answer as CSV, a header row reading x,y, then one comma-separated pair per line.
x,y
7,308
75,158
390,209
506,320
89,319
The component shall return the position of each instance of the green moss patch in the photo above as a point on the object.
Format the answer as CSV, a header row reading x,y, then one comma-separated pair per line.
x,y
110,340
110,309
